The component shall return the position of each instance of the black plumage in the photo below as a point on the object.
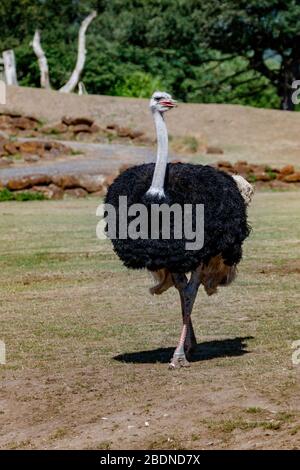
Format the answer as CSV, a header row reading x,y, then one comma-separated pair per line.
x,y
225,218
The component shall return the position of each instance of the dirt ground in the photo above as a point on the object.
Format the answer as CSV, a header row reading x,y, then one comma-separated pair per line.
x,y
252,134
87,346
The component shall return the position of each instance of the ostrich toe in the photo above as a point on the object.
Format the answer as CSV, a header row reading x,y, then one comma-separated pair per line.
x,y
179,361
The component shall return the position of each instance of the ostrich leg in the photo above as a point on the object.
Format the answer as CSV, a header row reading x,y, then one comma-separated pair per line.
x,y
188,292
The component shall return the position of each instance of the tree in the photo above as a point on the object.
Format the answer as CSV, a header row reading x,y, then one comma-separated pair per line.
x,y
81,56
264,32
238,51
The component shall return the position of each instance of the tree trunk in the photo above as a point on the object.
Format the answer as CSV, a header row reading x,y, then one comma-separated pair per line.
x,y
74,79
10,67
2,92
81,89
42,60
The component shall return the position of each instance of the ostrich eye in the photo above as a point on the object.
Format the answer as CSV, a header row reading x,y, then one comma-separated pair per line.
x,y
158,98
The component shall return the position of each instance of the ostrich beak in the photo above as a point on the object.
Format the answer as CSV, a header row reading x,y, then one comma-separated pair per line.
x,y
168,103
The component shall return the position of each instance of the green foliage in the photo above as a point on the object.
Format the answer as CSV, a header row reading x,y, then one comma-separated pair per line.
x,y
7,195
138,84
267,33
223,51
271,173
251,177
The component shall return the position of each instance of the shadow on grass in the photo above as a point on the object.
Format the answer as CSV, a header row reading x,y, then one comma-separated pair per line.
x,y
205,351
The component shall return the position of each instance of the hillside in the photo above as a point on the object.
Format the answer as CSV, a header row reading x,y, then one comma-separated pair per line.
x,y
256,135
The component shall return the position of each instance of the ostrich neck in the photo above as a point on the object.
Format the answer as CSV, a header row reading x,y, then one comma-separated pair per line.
x,y
157,185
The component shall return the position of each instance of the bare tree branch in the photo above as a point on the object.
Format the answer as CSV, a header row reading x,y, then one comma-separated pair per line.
x,y
72,82
82,89
42,59
10,67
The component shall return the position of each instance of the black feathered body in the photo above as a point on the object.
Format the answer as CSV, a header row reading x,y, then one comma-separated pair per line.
x,y
225,218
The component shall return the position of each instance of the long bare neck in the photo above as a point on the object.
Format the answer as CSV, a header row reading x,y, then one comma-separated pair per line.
x,y
157,185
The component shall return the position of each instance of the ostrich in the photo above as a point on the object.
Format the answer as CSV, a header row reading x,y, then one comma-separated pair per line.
x,y
225,199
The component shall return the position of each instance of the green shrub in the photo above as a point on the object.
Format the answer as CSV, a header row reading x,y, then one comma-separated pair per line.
x,y
138,84
270,173
7,195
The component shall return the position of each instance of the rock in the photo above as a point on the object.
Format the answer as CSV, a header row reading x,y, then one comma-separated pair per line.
x,y
124,132
66,120
4,162
82,136
262,176
80,128
214,150
24,123
13,115
55,149
95,128
91,183
11,148
30,158
59,128
293,178
5,121
70,121
76,192
241,170
135,134
112,126
32,147
224,164
65,181
275,170
287,170
99,193
36,148
143,139
110,179
27,182
50,192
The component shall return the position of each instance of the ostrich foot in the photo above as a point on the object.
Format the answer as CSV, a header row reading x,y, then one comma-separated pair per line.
x,y
178,360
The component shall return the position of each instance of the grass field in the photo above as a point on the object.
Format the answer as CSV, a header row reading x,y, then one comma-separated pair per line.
x,y
87,346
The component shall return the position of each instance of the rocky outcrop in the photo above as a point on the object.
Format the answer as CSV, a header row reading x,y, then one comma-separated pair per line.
x,y
84,128
59,186
30,151
261,173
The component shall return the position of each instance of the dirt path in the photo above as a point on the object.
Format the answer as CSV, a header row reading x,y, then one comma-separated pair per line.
x,y
93,158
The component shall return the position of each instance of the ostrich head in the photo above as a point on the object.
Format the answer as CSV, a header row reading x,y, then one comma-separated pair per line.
x,y
161,101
